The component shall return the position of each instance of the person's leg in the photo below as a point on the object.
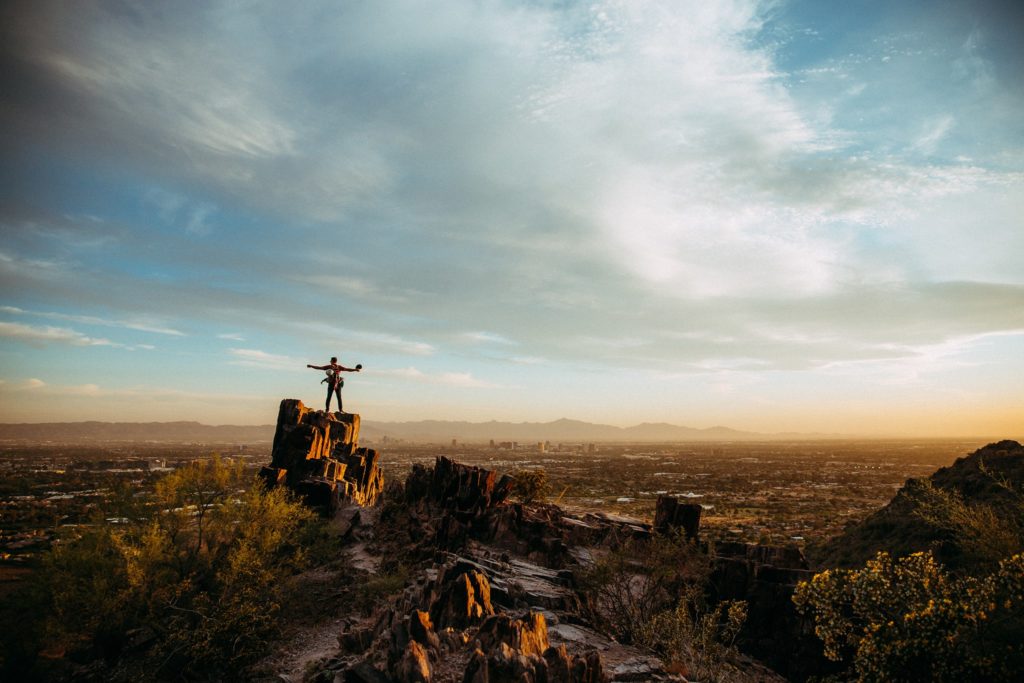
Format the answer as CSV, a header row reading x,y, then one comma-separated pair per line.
x,y
337,390
330,390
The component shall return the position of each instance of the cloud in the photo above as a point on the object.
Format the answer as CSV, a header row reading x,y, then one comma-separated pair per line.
x,y
463,380
934,132
60,335
901,364
137,324
357,288
30,384
487,338
176,210
156,394
688,187
261,359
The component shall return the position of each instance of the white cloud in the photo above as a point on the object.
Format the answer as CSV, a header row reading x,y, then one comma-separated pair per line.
x,y
933,133
575,183
139,324
262,359
464,380
61,335
482,337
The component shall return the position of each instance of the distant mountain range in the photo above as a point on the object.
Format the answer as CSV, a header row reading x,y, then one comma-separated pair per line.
x,y
429,431
559,430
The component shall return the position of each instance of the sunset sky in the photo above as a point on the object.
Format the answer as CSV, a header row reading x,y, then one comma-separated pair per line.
x,y
775,216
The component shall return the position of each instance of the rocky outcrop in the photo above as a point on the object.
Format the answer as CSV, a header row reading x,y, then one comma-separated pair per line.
x,y
765,577
482,609
316,454
451,505
467,491
671,515
517,650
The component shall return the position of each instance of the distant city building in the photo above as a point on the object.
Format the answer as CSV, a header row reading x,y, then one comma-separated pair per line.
x,y
540,447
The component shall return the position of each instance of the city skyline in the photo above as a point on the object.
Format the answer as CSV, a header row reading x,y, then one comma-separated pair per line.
x,y
774,216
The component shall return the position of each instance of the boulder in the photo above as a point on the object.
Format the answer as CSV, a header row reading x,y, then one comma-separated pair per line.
x,y
465,600
671,515
414,666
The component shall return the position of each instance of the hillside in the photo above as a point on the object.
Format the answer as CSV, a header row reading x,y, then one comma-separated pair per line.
x,y
899,529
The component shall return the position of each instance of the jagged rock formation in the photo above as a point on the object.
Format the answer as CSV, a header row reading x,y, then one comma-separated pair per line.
x,y
898,530
317,455
671,515
497,590
496,599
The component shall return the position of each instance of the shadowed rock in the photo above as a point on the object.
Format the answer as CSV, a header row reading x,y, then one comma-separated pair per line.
x,y
670,514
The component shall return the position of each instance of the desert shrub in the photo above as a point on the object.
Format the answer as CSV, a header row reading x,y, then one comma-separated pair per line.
x,y
202,571
912,620
232,594
696,639
626,587
376,589
653,593
86,587
530,485
982,534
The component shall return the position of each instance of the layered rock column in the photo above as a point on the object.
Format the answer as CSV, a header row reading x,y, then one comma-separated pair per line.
x,y
671,515
316,454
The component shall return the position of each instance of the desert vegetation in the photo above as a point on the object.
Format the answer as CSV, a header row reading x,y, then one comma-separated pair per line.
x,y
189,577
653,593
916,618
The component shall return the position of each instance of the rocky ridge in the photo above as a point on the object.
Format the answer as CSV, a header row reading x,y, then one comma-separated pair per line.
x,y
494,588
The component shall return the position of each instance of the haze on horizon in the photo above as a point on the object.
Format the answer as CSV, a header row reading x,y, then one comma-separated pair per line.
x,y
775,216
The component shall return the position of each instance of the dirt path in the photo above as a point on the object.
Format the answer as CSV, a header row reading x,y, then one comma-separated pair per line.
x,y
310,644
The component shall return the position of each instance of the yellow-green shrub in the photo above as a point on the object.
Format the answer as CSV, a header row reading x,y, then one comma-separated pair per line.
x,y
202,568
911,620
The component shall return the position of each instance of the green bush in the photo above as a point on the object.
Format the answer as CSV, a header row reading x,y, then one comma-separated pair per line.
x,y
530,485
201,568
911,620
696,639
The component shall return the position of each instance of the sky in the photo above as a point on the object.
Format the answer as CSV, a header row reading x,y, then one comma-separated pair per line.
x,y
774,216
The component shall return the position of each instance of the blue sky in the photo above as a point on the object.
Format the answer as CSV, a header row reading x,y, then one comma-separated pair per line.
x,y
771,215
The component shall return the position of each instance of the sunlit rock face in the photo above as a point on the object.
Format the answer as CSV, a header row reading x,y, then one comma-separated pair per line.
x,y
316,454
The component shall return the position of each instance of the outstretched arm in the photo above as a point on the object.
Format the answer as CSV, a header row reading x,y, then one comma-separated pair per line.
x,y
344,369
317,367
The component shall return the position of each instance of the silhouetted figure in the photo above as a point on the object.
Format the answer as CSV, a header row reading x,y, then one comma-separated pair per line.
x,y
334,380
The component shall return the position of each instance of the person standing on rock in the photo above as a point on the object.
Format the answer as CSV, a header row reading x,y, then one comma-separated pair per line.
x,y
334,380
